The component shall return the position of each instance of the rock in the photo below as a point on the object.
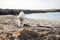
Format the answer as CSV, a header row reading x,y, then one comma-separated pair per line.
x,y
32,30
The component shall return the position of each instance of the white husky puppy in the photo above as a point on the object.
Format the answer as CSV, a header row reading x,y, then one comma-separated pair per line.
x,y
21,17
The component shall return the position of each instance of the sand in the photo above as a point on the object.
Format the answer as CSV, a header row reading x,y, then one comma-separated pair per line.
x,y
32,30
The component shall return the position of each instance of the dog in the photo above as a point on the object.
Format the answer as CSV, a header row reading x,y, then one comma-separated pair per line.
x,y
21,17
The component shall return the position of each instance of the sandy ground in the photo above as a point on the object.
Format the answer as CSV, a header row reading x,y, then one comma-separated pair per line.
x,y
32,30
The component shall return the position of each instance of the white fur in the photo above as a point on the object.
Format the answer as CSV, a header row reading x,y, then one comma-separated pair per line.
x,y
21,15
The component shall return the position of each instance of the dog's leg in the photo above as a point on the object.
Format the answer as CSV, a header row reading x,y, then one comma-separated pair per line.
x,y
22,24
19,22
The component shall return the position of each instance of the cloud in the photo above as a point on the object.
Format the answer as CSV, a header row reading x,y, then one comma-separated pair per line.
x,y
30,4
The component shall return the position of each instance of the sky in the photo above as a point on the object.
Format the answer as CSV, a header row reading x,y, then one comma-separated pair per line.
x,y
30,4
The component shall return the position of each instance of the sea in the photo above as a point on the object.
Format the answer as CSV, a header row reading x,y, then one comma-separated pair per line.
x,y
53,16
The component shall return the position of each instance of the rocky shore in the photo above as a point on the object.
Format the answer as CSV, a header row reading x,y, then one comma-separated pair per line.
x,y
32,30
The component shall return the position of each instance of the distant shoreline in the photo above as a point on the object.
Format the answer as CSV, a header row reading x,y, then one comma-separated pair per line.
x,y
16,11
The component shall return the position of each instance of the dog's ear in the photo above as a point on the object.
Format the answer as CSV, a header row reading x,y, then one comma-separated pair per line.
x,y
21,14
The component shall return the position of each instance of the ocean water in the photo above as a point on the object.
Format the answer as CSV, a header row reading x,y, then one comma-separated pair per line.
x,y
53,16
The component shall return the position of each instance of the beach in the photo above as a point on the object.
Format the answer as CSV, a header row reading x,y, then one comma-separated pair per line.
x,y
32,30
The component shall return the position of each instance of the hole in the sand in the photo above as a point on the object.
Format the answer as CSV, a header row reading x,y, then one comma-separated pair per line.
x,y
27,25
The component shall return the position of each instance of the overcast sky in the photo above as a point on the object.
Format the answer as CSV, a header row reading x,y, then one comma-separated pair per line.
x,y
30,4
